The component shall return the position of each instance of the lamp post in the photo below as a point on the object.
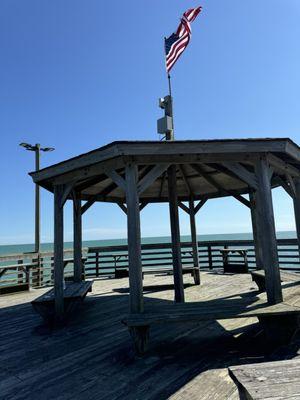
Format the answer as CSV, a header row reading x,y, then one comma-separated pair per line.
x,y
37,149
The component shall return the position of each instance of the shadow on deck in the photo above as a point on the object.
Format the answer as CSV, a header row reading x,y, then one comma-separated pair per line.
x,y
92,357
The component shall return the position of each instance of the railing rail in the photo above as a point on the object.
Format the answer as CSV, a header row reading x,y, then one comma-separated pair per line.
x,y
37,270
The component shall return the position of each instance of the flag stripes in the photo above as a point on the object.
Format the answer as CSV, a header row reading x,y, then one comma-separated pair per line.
x,y
178,41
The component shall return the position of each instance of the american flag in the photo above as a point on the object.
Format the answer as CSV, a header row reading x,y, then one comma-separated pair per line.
x,y
178,41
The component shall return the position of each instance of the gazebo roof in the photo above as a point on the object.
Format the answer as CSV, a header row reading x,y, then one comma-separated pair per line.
x,y
205,168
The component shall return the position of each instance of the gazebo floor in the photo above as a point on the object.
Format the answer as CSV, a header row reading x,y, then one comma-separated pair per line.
x,y
92,357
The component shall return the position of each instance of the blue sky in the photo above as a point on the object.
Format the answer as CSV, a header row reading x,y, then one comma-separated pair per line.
x,y
79,74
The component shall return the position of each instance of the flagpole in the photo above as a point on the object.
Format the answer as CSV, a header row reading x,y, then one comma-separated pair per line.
x,y
170,136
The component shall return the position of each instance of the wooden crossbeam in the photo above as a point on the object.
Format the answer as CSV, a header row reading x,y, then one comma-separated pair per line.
x,y
143,204
291,191
282,167
242,173
184,207
66,192
123,207
199,205
117,178
87,205
151,176
215,184
292,185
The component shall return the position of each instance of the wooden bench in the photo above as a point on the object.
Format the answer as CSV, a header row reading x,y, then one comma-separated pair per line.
x,y
74,294
123,272
235,267
279,321
258,277
278,380
19,287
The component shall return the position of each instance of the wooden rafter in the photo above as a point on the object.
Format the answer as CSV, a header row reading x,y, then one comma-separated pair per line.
x,y
281,167
242,173
220,188
163,179
185,178
151,177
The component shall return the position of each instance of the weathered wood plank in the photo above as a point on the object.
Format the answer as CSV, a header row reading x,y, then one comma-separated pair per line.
x,y
134,240
77,231
175,234
267,233
265,381
58,251
194,241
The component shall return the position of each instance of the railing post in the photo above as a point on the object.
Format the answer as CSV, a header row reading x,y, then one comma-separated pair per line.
x,y
97,263
20,273
41,266
210,261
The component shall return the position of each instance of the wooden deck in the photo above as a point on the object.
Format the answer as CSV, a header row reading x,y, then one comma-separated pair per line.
x,y
92,357
278,380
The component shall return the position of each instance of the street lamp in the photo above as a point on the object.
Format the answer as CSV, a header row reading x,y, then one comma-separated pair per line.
x,y
37,149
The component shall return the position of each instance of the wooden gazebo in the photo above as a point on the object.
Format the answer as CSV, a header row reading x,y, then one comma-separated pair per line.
x,y
185,174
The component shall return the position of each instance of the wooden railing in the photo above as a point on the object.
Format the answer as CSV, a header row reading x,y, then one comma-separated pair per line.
x,y
105,260
20,269
30,269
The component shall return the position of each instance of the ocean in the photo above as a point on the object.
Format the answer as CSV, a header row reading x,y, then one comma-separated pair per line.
x,y
24,248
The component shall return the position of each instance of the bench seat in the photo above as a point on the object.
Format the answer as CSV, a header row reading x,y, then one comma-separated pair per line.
x,y
188,269
280,321
74,294
258,277
278,380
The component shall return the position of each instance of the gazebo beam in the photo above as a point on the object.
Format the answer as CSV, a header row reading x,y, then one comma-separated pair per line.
x,y
296,201
185,178
134,241
150,177
215,184
163,179
77,231
255,230
200,205
58,252
194,241
242,173
175,234
267,234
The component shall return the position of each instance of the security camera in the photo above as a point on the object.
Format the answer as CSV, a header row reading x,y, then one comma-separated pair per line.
x,y
161,102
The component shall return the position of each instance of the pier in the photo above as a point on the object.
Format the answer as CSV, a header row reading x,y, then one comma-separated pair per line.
x,y
186,316
93,358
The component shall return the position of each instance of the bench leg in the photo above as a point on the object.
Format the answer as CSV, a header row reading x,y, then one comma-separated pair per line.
x,y
280,329
140,337
196,276
260,281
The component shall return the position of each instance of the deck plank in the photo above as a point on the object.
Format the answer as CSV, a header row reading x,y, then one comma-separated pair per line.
x,y
92,358
273,380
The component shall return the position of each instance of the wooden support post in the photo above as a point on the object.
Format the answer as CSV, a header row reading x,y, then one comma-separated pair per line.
x,y
58,253
255,230
296,201
134,240
194,242
175,234
77,224
267,233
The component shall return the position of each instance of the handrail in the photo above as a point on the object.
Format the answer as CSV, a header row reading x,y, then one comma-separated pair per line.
x,y
37,270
